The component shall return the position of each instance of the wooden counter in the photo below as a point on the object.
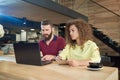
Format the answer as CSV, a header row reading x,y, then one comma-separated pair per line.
x,y
1,52
13,71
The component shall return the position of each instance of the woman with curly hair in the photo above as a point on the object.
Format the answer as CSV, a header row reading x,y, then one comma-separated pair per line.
x,y
80,48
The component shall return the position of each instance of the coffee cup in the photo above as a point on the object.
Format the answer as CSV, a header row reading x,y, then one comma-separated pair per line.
x,y
95,65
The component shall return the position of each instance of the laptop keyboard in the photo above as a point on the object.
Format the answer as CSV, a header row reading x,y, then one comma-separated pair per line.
x,y
46,62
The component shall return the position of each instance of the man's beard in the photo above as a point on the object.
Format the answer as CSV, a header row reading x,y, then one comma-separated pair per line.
x,y
49,37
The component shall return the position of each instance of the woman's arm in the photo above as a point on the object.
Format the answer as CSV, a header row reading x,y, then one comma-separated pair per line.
x,y
75,63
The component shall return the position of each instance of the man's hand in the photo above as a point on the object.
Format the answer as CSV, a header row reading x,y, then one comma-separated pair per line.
x,y
48,57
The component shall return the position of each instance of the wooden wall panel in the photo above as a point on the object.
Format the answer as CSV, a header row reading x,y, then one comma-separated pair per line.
x,y
104,20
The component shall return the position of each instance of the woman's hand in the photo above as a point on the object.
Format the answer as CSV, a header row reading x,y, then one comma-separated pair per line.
x,y
73,63
76,63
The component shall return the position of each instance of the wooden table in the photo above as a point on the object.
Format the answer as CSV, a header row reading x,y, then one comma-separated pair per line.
x,y
9,70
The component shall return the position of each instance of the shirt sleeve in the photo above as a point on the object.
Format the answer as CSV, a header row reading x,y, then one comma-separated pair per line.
x,y
40,45
1,31
62,43
63,54
95,53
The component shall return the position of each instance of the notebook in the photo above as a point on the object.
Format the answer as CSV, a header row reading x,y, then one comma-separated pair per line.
x,y
28,53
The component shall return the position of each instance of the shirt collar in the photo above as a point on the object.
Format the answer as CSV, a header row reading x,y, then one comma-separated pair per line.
x,y
54,38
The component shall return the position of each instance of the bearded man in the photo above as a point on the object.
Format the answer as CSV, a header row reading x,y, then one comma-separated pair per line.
x,y
51,44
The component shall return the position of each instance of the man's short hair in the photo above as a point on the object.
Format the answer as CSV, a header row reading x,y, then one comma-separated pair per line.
x,y
46,22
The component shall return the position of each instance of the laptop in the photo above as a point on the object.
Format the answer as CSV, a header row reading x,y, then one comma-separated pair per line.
x,y
28,53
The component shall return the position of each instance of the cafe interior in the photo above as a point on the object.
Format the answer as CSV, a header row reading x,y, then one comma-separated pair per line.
x,y
21,21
